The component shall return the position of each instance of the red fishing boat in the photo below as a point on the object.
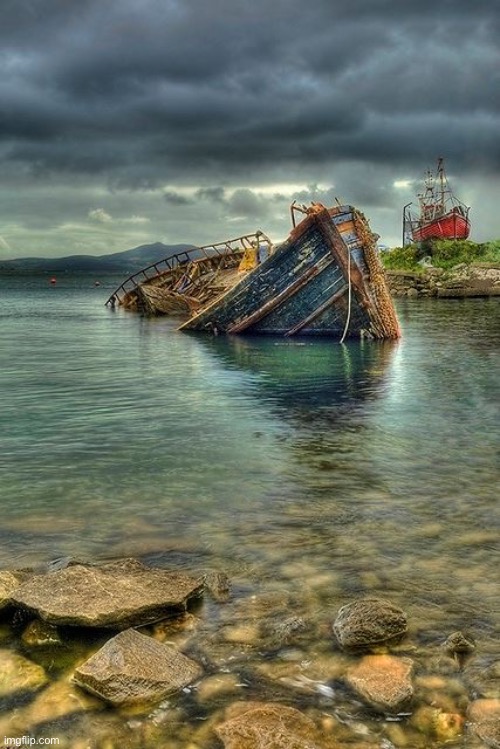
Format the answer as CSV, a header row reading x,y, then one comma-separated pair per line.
x,y
442,215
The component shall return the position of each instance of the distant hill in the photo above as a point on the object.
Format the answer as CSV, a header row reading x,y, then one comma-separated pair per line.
x,y
128,261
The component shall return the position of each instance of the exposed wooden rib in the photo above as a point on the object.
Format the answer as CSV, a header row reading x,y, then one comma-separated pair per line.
x,y
338,248
283,296
317,312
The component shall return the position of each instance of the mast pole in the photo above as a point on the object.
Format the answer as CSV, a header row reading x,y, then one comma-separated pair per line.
x,y
441,180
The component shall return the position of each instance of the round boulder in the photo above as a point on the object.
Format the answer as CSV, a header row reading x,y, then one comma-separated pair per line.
x,y
369,622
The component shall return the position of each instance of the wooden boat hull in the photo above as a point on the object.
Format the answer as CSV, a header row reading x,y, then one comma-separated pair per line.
x,y
451,226
325,279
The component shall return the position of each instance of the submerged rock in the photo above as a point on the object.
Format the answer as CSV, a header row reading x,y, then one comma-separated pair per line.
x,y
56,701
458,645
484,721
448,726
218,585
257,725
369,622
18,674
383,681
40,634
218,685
115,595
290,630
132,668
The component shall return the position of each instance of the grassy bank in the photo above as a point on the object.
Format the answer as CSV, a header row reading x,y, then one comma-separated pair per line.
x,y
441,254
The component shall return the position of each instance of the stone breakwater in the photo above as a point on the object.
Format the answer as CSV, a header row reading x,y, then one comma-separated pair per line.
x,y
180,681
459,282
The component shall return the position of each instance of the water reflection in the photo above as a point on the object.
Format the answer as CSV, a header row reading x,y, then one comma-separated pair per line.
x,y
330,487
297,379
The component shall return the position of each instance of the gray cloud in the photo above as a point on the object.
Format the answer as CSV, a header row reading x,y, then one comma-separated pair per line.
x,y
196,110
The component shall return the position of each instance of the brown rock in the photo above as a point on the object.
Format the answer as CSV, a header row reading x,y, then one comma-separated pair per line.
x,y
114,595
383,681
218,585
484,721
458,644
9,582
132,668
448,726
58,700
40,634
18,674
369,622
257,725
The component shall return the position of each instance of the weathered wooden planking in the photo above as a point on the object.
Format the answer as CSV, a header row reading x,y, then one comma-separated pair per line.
x,y
297,288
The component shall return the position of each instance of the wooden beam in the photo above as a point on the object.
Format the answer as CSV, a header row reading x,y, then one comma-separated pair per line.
x,y
340,251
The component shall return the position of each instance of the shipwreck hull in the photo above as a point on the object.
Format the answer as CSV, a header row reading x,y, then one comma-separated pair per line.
x,y
325,280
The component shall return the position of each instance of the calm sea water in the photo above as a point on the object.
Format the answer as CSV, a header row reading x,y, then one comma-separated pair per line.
x,y
119,433
347,469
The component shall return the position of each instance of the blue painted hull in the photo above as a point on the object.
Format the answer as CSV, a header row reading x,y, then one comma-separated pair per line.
x,y
320,281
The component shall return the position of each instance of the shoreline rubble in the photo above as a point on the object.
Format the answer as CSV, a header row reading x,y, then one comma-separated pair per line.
x,y
460,282
367,659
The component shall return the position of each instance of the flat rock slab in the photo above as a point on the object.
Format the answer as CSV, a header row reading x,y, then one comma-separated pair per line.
x,y
383,681
270,725
369,622
132,668
116,595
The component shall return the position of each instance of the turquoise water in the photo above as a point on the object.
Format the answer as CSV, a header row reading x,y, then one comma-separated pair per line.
x,y
117,431
309,471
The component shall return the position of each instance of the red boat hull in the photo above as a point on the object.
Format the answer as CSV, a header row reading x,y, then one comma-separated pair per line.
x,y
451,226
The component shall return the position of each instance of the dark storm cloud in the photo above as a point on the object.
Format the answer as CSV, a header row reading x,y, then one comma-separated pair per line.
x,y
201,85
242,202
230,94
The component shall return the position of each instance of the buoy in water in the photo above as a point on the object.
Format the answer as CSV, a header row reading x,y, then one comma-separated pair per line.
x,y
53,280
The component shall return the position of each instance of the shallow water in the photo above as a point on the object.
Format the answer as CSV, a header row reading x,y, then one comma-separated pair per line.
x,y
308,471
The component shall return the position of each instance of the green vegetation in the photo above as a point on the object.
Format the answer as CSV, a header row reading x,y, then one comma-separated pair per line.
x,y
442,253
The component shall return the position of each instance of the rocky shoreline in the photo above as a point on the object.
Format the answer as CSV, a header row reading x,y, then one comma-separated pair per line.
x,y
461,281
134,652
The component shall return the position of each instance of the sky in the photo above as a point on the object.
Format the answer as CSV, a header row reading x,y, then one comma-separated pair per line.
x,y
126,122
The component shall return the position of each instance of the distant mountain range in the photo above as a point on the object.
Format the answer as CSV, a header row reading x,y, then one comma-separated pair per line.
x,y
128,261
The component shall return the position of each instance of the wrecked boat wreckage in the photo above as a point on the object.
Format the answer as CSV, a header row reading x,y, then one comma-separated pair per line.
x,y
325,279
